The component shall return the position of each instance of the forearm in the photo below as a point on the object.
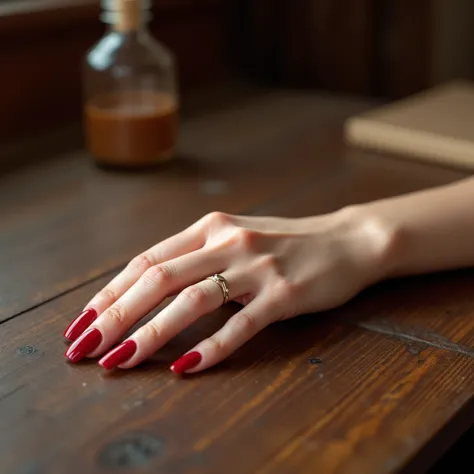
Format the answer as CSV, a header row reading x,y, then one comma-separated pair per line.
x,y
429,231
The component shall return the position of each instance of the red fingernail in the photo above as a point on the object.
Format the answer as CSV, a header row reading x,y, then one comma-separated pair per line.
x,y
80,324
88,342
119,355
188,361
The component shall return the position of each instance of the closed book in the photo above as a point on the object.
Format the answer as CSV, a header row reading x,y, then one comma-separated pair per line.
x,y
436,126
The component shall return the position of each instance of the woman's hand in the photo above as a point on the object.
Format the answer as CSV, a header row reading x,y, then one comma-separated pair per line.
x,y
276,268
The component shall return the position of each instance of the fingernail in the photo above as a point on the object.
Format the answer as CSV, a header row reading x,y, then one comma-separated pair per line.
x,y
188,361
88,342
119,355
80,324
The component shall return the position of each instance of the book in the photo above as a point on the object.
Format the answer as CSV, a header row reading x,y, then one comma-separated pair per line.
x,y
435,125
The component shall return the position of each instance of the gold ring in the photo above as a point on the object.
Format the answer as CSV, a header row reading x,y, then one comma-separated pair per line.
x,y
223,284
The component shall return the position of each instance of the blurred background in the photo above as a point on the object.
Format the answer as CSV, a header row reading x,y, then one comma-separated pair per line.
x,y
380,48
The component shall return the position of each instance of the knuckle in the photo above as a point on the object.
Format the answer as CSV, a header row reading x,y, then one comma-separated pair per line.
x,y
244,239
141,262
116,315
216,346
152,331
269,263
245,323
286,290
194,295
157,275
106,294
217,219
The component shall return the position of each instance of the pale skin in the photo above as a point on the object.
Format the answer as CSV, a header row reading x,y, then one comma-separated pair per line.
x,y
280,268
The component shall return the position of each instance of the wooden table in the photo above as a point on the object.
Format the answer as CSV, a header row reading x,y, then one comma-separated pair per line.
x,y
382,385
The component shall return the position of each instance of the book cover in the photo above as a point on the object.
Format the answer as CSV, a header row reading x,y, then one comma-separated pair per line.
x,y
436,125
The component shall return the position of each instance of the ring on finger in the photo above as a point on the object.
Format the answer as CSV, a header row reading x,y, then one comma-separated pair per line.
x,y
223,284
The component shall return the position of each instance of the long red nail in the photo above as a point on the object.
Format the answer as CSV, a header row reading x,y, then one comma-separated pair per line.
x,y
88,342
80,324
188,361
119,355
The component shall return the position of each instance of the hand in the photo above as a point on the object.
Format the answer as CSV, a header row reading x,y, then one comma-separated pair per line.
x,y
276,268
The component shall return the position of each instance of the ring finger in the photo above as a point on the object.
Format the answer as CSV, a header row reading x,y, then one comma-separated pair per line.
x,y
192,303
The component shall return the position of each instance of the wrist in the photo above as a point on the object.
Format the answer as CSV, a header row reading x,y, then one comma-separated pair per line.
x,y
373,239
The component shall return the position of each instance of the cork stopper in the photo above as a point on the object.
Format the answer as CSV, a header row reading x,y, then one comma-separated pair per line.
x,y
129,15
126,15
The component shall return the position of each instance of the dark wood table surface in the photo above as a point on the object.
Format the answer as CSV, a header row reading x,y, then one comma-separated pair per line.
x,y
384,384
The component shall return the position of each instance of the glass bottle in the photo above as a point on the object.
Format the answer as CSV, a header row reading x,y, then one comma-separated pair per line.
x,y
130,91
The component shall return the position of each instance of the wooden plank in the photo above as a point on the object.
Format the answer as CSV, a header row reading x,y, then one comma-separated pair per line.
x,y
305,396
63,221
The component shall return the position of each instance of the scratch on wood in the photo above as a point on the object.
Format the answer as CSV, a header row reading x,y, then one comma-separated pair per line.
x,y
430,338
9,394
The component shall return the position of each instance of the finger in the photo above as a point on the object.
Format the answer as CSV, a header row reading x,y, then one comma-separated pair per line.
x,y
183,243
171,248
192,303
147,293
244,300
239,329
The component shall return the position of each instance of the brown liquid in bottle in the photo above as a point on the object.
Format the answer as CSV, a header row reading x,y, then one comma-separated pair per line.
x,y
131,129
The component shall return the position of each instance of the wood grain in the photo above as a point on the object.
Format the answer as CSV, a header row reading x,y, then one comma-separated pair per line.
x,y
367,404
63,222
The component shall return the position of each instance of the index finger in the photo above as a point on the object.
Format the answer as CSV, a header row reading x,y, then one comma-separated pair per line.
x,y
185,242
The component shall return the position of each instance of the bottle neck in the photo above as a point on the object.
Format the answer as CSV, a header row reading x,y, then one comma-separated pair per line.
x,y
137,31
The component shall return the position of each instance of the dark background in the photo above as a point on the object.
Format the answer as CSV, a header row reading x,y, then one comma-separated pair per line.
x,y
383,48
